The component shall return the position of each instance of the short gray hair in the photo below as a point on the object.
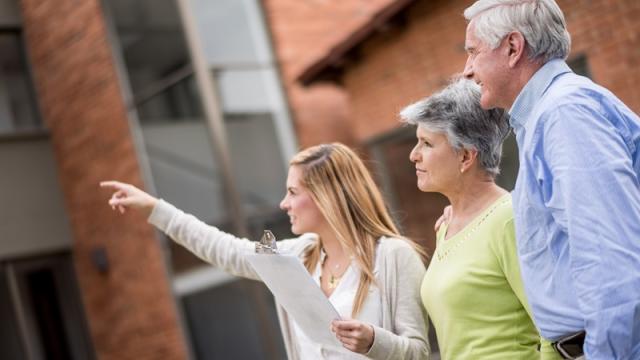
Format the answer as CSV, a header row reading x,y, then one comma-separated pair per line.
x,y
541,22
455,111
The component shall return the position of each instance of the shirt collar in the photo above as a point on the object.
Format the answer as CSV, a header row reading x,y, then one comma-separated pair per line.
x,y
533,90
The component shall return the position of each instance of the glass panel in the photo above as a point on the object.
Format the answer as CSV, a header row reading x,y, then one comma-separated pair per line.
x,y
258,91
151,38
186,174
54,326
45,302
259,171
17,106
183,167
232,31
244,90
234,321
10,343
178,103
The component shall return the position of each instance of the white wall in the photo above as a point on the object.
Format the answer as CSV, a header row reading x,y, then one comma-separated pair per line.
x,y
32,215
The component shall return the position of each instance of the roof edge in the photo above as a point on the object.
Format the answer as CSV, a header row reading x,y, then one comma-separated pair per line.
x,y
333,58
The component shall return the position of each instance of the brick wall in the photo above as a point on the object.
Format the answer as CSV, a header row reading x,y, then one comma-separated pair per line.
x,y
405,64
608,33
130,309
302,31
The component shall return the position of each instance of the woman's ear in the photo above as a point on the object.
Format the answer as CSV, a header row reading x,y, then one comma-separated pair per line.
x,y
467,158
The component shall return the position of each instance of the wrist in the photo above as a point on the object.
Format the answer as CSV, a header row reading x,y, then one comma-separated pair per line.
x,y
373,337
151,204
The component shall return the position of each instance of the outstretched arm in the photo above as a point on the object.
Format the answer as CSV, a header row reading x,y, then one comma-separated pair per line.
x,y
220,249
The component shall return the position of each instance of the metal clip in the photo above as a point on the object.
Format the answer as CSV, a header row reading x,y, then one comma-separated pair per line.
x,y
267,244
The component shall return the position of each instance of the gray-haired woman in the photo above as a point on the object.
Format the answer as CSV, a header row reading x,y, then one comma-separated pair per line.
x,y
472,289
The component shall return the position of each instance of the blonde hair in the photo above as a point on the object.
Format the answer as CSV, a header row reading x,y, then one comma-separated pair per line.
x,y
346,195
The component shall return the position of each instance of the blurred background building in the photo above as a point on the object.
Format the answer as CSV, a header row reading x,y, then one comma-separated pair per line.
x,y
202,102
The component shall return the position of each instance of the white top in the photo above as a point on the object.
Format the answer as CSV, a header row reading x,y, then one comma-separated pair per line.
x,y
342,300
398,270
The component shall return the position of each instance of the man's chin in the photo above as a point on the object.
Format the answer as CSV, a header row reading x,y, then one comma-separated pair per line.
x,y
486,104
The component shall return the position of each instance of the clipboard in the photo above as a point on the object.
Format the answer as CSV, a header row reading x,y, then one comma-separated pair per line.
x,y
295,290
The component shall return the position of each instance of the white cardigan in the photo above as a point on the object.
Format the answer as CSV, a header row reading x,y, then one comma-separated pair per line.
x,y
403,334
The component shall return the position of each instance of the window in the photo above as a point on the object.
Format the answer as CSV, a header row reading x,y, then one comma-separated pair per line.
x,y
41,312
579,65
17,103
233,320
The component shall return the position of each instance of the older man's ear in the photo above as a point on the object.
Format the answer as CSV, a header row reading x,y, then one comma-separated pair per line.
x,y
516,46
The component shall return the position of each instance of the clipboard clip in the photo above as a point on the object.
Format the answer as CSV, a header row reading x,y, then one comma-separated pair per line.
x,y
267,244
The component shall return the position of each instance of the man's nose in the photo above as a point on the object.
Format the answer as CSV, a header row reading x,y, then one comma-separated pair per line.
x,y
468,69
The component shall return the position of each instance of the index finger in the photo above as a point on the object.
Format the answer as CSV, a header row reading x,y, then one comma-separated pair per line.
x,y
113,184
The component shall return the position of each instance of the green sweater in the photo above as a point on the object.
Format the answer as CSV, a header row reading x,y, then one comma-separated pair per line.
x,y
474,295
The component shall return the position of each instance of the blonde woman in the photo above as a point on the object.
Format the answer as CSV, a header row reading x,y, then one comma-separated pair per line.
x,y
347,241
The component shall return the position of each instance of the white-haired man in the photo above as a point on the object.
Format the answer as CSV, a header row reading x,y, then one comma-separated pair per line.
x,y
577,197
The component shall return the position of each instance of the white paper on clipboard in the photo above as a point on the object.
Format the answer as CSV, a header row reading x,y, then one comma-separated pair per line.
x,y
299,295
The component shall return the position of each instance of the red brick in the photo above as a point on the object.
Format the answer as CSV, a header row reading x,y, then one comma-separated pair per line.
x,y
303,31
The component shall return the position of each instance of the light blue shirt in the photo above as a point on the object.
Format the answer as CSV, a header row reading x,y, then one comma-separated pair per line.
x,y
577,210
